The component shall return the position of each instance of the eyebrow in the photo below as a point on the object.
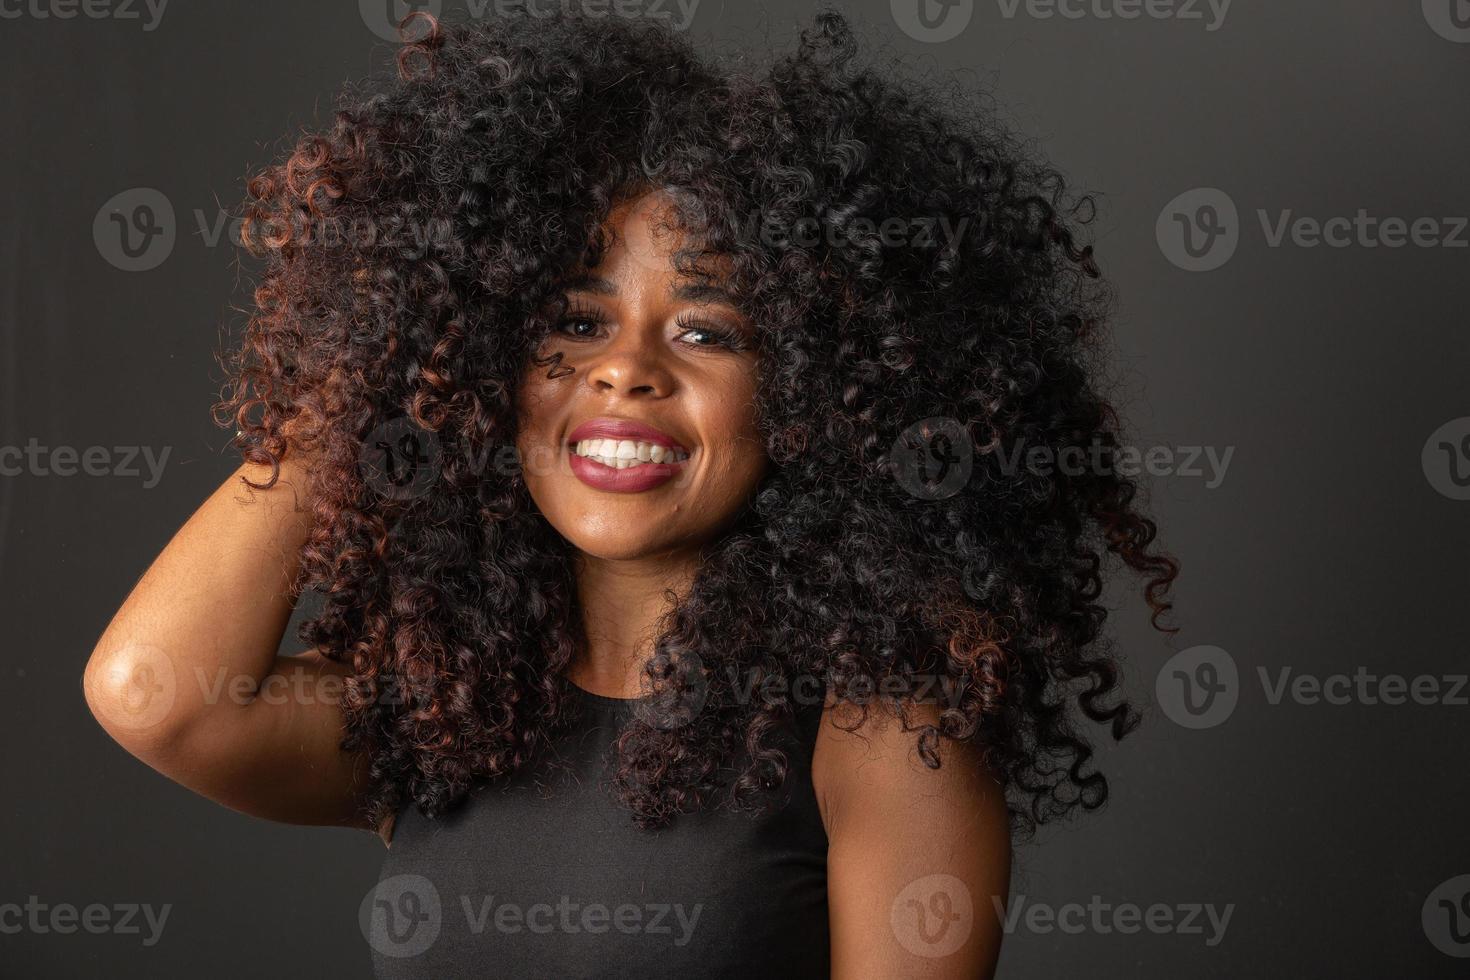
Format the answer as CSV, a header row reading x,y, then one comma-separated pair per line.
x,y
691,291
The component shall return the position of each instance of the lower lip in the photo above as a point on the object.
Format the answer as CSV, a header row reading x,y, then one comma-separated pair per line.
x,y
631,479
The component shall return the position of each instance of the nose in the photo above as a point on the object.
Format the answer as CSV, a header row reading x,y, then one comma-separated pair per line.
x,y
632,363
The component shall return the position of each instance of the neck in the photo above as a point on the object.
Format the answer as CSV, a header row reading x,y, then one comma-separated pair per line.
x,y
622,602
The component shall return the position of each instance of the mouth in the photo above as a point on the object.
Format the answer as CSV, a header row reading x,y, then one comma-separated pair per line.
x,y
623,456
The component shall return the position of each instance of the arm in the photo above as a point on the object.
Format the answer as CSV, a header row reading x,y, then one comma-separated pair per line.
x,y
187,679
917,857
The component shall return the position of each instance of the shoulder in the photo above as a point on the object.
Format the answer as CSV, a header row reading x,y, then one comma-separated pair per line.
x,y
867,762
910,847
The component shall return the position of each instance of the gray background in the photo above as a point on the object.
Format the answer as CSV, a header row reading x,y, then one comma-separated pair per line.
x,y
1325,548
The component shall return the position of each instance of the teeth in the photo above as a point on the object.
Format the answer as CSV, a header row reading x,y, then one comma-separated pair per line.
x,y
623,453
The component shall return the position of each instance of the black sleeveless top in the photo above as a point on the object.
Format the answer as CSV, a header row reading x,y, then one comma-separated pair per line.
x,y
547,876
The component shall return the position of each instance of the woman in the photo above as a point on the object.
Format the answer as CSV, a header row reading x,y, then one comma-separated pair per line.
x,y
649,432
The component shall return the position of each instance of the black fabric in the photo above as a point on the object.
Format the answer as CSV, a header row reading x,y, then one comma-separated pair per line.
x,y
549,877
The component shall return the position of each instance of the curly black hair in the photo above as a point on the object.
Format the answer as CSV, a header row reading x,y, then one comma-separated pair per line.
x,y
915,277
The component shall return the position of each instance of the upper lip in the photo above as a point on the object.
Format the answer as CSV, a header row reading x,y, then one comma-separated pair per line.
x,y
606,427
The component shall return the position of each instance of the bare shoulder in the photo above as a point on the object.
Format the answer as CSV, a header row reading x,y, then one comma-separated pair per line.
x,y
918,857
871,758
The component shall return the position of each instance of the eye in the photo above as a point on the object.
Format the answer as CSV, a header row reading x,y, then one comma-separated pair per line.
x,y
580,323
708,334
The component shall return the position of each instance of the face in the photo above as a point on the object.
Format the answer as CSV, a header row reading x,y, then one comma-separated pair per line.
x,y
644,442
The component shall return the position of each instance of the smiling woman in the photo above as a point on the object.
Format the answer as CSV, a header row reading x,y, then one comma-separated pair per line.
x,y
660,699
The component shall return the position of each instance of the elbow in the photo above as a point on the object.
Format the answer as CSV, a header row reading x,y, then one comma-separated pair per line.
x,y
133,692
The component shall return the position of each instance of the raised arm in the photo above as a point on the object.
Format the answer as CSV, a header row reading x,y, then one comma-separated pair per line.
x,y
186,676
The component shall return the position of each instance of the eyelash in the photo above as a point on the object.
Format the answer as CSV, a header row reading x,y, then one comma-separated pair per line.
x,y
685,321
